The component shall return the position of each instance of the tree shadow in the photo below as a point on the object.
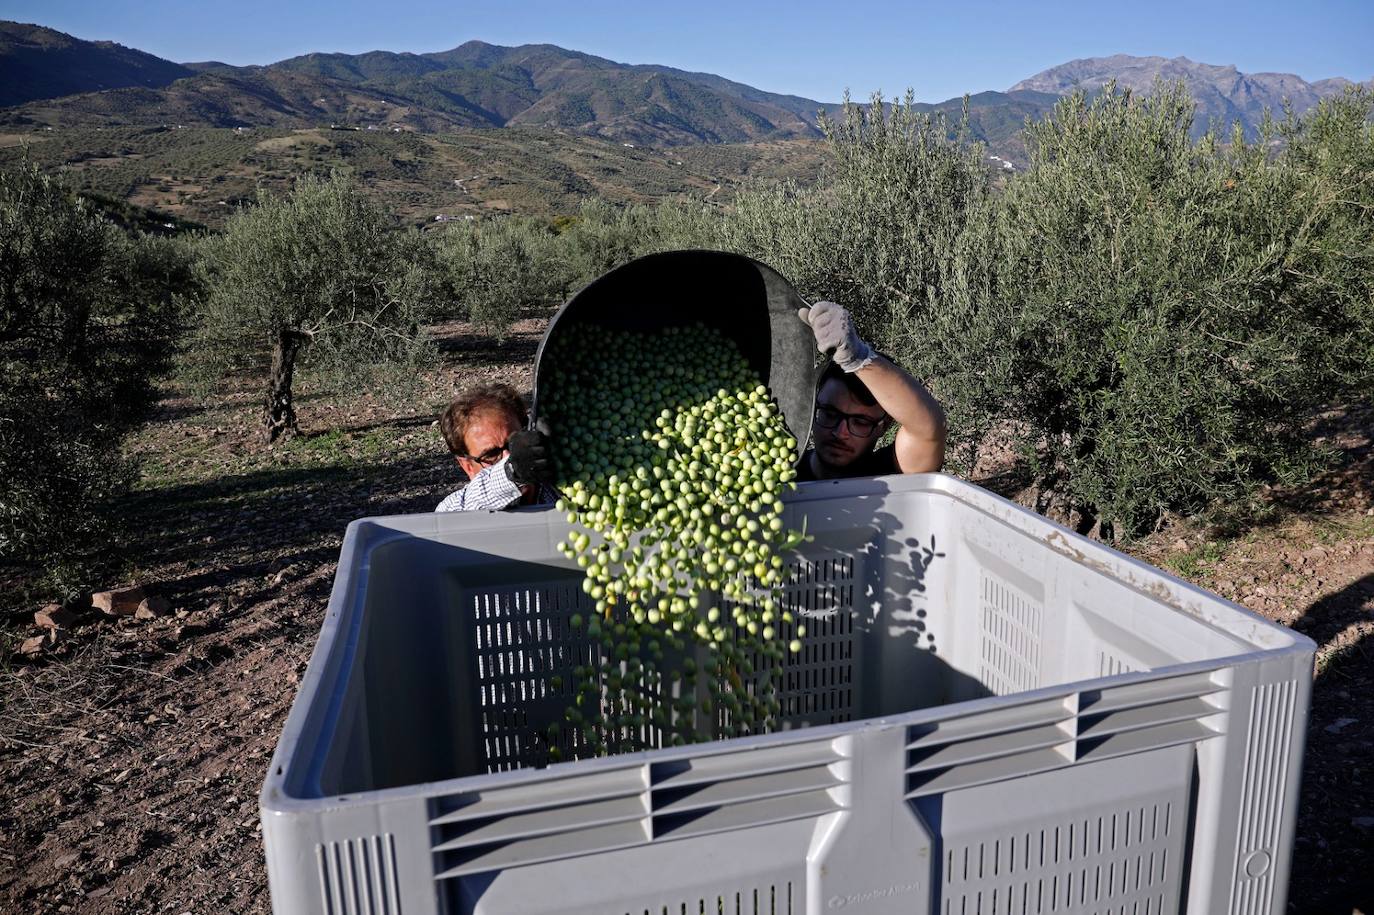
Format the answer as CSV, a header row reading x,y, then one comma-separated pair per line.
x,y
472,348
397,422
177,406
187,407
867,575
1331,859
252,524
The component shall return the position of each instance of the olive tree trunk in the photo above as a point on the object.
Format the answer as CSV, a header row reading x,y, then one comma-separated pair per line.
x,y
280,417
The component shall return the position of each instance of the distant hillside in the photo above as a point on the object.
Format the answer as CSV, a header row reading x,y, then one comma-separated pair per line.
x,y
475,84
547,86
37,63
203,174
1223,94
241,97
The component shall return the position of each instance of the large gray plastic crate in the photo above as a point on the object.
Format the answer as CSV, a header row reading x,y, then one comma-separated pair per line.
x,y
999,717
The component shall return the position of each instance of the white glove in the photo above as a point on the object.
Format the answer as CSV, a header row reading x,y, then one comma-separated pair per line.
x,y
836,336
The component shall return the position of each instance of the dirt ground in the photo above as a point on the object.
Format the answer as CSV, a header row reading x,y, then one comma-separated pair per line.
x,y
132,751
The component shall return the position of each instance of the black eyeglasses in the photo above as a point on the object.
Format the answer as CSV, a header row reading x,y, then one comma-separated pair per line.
x,y
490,456
860,426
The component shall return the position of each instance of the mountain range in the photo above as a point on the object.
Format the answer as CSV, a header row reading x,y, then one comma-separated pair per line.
x,y
1223,94
473,85
50,79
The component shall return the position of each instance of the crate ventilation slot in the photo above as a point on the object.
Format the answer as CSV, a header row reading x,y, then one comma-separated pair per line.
x,y
1053,733
817,685
816,588
768,900
522,637
1108,665
544,821
358,876
521,634
1011,621
1110,863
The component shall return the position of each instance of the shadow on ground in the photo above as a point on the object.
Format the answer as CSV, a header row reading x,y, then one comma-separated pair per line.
x,y
275,511
1333,868
475,350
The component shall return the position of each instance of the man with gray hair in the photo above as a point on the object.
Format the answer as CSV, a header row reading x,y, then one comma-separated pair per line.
x,y
506,464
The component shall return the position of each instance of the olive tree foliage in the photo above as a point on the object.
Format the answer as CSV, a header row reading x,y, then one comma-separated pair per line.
x,y
88,319
1330,153
495,270
603,236
320,277
492,271
1155,320
877,232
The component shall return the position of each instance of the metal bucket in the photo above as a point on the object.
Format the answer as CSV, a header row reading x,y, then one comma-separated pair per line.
x,y
750,302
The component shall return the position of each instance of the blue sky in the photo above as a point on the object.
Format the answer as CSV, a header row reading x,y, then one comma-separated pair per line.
x,y
816,50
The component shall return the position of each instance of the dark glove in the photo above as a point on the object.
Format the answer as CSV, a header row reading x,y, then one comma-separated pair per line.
x,y
531,460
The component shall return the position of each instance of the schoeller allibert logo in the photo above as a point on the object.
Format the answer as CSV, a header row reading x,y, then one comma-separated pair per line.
x,y
899,889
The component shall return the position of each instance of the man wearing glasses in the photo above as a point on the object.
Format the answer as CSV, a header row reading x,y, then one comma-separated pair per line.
x,y
861,395
506,464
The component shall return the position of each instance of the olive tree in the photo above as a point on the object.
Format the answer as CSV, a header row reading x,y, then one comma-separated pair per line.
x,y
1330,154
88,319
1155,319
318,274
880,234
492,270
1149,322
603,236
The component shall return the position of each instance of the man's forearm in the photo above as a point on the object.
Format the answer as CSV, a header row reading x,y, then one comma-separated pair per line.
x,y
920,442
